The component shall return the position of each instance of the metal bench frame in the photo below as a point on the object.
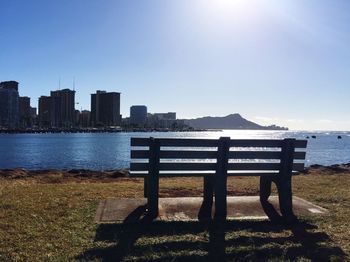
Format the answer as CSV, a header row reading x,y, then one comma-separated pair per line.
x,y
215,183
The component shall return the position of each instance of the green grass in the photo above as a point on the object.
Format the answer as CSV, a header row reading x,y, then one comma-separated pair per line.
x,y
54,222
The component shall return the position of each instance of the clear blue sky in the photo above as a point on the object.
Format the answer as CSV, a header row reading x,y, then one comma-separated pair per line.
x,y
276,61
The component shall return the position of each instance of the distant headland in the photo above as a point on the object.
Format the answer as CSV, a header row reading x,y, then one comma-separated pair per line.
x,y
232,121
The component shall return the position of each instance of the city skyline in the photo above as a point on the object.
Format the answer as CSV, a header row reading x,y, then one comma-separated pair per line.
x,y
57,112
275,62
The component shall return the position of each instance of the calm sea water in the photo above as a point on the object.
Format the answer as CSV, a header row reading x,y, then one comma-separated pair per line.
x,y
112,151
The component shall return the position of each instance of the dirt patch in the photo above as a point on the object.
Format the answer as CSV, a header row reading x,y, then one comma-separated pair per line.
x,y
180,192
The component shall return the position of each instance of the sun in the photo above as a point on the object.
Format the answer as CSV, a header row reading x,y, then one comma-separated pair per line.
x,y
235,10
237,4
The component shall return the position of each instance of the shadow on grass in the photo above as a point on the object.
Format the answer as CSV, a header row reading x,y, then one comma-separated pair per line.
x,y
139,239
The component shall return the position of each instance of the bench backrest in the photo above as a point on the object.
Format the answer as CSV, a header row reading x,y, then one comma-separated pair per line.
x,y
174,157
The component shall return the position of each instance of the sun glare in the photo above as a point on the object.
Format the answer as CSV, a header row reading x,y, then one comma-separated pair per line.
x,y
232,3
228,11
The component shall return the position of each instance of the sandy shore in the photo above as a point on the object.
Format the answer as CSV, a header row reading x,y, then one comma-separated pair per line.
x,y
83,175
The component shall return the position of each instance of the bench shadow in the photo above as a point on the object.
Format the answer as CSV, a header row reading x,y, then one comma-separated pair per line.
x,y
271,212
211,240
205,211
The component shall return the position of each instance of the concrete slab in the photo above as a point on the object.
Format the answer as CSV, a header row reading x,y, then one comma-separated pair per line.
x,y
190,208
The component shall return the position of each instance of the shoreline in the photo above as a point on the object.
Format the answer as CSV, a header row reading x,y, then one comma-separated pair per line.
x,y
124,130
95,130
85,175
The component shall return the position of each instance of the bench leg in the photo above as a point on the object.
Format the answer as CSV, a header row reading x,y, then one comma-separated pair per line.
x,y
221,179
265,192
208,193
145,187
220,197
265,188
153,195
284,186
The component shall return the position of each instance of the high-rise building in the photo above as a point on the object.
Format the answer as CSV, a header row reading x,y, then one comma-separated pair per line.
x,y
77,118
138,115
33,112
9,85
63,108
45,111
24,111
105,109
165,116
84,118
34,116
9,104
164,120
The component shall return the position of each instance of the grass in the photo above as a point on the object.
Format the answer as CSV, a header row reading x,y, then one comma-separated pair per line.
x,y
43,220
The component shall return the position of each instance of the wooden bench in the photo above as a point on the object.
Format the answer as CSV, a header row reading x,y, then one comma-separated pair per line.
x,y
216,159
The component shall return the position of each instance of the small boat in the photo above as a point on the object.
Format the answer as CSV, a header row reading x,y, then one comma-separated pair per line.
x,y
339,137
313,136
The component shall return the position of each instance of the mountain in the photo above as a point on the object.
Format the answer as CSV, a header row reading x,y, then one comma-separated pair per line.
x,y
233,121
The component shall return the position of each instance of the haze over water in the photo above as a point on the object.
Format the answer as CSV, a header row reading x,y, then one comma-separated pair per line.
x,y
112,150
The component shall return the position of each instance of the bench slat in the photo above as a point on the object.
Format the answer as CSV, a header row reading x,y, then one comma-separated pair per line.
x,y
254,155
212,166
253,174
300,143
241,174
173,142
264,143
262,155
262,166
202,174
185,174
299,155
256,143
253,166
187,142
171,174
139,166
172,154
139,154
187,166
188,154
257,174
175,166
139,141
176,142
298,166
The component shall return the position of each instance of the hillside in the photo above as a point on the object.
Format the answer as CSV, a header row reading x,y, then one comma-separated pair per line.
x,y
233,121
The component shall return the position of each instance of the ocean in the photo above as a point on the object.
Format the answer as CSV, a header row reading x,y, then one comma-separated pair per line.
x,y
106,151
